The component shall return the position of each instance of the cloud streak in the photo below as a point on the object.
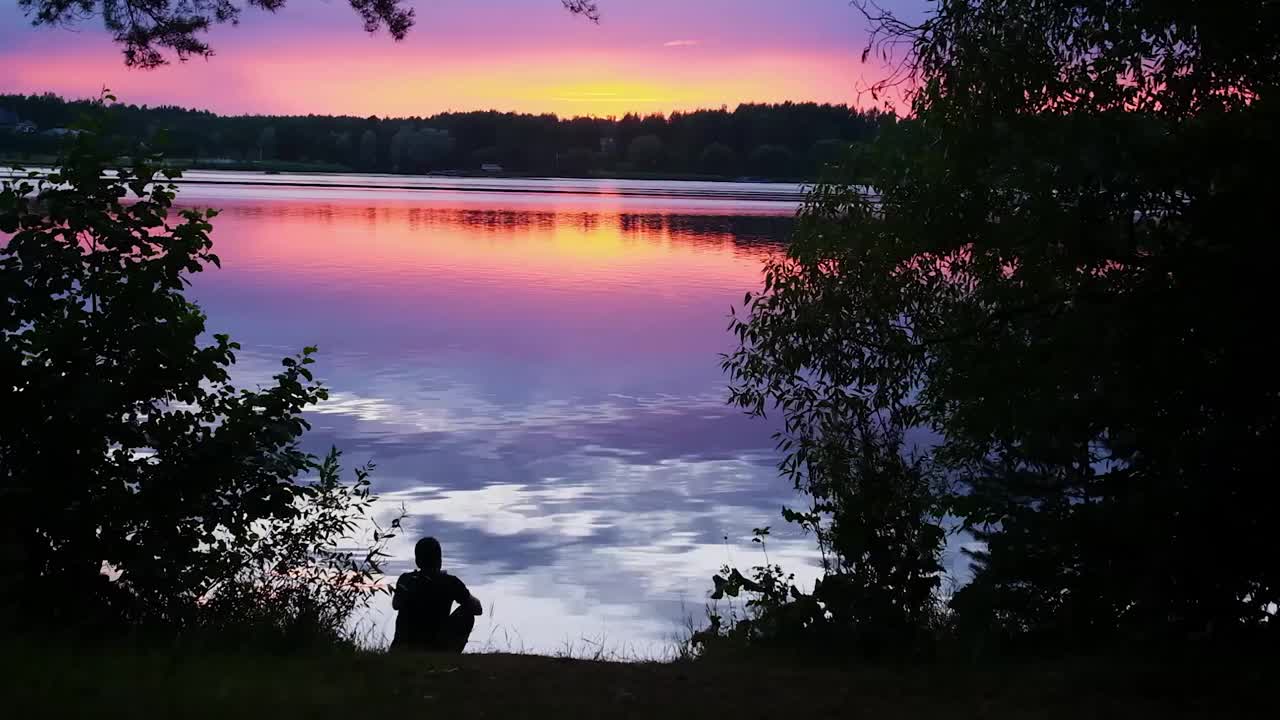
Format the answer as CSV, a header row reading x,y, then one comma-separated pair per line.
x,y
680,43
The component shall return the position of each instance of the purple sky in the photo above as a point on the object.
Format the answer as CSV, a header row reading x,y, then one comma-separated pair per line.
x,y
525,55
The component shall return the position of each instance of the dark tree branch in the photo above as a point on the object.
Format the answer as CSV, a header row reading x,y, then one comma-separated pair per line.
x,y
892,42
586,8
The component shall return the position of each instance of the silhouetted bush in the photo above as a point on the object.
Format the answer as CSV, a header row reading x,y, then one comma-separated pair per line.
x,y
141,491
1057,281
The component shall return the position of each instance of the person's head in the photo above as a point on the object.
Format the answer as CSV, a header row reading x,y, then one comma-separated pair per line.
x,y
427,553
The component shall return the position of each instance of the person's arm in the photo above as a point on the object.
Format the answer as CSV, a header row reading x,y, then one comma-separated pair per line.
x,y
465,599
399,592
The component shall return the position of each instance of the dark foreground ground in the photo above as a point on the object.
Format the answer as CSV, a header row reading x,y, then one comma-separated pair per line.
x,y
47,683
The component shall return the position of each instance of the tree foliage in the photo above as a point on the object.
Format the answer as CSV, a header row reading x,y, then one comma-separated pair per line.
x,y
368,158
645,152
1057,276
718,159
147,30
138,485
771,161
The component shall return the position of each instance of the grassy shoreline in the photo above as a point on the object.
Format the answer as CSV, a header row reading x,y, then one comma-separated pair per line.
x,y
47,682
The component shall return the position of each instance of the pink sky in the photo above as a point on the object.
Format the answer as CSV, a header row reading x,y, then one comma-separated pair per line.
x,y
522,55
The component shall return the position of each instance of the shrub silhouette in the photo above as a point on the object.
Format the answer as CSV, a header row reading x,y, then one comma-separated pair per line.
x,y
140,488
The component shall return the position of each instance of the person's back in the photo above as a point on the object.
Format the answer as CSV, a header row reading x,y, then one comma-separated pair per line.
x,y
423,599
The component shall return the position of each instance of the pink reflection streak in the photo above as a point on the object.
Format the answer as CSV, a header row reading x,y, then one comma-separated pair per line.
x,y
586,273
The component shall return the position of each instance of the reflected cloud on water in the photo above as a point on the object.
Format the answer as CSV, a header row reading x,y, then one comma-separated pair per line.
x,y
627,506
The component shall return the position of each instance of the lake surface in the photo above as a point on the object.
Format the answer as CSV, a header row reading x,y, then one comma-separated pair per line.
x,y
533,366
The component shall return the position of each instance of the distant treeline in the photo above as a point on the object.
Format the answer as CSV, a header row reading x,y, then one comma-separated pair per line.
x,y
789,140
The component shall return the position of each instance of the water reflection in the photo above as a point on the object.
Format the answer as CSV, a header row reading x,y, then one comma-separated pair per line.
x,y
538,383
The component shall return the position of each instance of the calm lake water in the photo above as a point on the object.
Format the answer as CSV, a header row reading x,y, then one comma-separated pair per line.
x,y
533,366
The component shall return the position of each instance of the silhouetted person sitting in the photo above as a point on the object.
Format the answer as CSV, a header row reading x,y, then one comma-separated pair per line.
x,y
422,599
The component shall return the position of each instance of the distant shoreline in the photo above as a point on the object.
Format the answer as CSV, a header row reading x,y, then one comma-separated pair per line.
x,y
743,189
